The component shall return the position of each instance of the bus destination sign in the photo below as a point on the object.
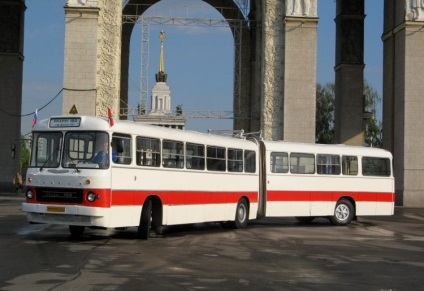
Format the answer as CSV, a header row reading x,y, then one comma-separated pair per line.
x,y
65,122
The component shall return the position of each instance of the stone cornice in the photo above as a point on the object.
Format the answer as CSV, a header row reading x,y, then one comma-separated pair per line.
x,y
408,25
295,21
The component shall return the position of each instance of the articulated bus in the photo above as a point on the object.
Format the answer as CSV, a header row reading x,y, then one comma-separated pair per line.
x,y
85,173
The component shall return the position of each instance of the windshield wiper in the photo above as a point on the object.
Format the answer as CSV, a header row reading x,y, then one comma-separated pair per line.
x,y
45,163
48,160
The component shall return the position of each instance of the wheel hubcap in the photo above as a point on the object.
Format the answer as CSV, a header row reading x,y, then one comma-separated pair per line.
x,y
241,213
342,212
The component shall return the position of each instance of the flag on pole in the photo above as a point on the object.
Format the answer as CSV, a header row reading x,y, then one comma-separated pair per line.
x,y
109,116
34,118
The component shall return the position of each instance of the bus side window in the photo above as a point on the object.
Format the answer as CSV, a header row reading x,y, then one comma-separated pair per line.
x,y
148,152
195,156
279,162
235,160
372,166
302,163
350,165
121,149
215,158
172,154
249,161
328,164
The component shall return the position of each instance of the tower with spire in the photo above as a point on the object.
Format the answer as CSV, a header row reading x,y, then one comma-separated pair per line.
x,y
161,95
160,112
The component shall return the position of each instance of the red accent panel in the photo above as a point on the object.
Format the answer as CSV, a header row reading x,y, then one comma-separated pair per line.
x,y
122,197
329,196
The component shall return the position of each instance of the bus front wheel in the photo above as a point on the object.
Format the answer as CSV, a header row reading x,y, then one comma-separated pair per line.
x,y
145,220
242,214
343,213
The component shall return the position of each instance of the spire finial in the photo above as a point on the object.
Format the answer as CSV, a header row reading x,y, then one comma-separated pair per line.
x,y
161,76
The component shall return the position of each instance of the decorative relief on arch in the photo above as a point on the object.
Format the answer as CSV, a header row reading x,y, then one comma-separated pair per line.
x,y
81,3
303,8
414,10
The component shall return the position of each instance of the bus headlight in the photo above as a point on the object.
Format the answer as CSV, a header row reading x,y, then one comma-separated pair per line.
x,y
29,194
91,196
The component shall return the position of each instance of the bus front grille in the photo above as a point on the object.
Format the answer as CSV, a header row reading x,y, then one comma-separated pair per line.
x,y
59,195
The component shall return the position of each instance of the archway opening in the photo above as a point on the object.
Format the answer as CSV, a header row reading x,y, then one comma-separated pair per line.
x,y
199,62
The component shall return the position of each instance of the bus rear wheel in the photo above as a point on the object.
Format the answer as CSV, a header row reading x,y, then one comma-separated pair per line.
x,y
145,220
76,230
343,213
242,214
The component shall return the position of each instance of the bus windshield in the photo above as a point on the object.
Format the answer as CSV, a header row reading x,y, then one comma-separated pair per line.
x,y
86,149
46,148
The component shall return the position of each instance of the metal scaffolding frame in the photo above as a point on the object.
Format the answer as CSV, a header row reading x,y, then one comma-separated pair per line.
x,y
144,91
235,24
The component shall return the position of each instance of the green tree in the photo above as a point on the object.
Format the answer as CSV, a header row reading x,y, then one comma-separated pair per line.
x,y
325,115
373,127
324,130
25,155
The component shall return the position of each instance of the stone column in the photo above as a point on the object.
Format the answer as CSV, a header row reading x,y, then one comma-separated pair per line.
x,y
272,73
255,65
349,105
11,67
92,56
300,58
403,102
289,37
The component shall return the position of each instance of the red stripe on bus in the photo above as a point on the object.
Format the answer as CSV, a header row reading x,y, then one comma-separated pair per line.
x,y
285,196
122,197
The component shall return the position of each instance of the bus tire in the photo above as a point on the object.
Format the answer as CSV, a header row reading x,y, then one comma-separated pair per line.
x,y
242,214
343,213
145,220
76,230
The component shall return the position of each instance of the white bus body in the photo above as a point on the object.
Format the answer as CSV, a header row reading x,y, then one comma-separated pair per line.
x,y
157,176
313,194
180,195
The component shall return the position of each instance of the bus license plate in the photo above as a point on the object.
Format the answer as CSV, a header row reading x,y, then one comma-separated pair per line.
x,y
55,209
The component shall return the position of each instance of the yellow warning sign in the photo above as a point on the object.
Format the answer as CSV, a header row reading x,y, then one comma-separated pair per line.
x,y
74,110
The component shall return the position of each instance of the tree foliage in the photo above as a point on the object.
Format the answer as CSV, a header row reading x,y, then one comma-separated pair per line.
x,y
25,155
373,129
324,132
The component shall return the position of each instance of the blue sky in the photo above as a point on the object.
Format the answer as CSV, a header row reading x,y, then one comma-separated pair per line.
x,y
198,60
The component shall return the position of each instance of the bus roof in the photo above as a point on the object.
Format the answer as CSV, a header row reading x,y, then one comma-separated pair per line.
x,y
340,149
92,123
